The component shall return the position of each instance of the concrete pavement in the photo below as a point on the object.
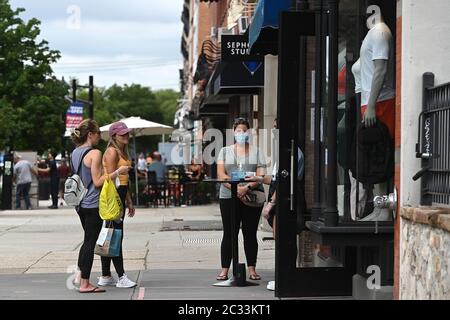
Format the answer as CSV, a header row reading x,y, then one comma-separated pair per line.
x,y
174,253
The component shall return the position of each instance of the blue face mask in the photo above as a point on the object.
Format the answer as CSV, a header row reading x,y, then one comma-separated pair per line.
x,y
241,138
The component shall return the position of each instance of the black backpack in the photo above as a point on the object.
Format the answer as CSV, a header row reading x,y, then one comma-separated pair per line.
x,y
373,160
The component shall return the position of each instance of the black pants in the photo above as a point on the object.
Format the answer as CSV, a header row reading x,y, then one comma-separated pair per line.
x,y
54,188
249,217
117,261
92,224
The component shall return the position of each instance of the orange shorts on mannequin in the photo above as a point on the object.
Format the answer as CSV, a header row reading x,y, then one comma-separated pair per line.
x,y
385,112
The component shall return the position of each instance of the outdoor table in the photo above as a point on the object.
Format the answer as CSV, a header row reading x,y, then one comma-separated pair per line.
x,y
239,273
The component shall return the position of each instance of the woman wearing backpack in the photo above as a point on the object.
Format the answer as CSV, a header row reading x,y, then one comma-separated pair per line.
x,y
116,155
88,163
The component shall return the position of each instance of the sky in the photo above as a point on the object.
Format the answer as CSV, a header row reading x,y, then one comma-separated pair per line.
x,y
116,41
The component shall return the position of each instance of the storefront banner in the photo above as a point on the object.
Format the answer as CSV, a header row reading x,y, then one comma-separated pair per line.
x,y
236,48
74,115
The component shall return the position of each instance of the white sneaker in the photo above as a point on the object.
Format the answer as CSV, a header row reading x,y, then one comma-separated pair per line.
x,y
124,282
106,281
271,286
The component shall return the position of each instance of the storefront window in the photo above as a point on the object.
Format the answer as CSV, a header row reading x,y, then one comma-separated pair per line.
x,y
365,153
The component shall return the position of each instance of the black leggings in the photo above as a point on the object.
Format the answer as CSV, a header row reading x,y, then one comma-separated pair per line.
x,y
117,261
92,224
249,216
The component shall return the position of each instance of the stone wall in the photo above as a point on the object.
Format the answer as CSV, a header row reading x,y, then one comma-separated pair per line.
x,y
425,254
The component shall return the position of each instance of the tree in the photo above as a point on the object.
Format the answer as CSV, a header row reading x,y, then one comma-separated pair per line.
x,y
134,100
31,98
167,104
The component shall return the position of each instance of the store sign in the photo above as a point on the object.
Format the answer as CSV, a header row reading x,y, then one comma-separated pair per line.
x,y
74,115
236,48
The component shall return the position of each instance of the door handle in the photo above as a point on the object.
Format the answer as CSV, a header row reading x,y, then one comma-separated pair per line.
x,y
420,173
387,202
292,175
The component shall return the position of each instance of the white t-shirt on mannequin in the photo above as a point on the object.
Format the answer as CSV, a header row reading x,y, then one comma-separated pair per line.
x,y
356,70
377,45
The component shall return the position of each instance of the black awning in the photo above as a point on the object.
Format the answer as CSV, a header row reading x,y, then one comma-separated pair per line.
x,y
237,78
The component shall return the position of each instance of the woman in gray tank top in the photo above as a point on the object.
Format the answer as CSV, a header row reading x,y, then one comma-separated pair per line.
x,y
239,156
89,163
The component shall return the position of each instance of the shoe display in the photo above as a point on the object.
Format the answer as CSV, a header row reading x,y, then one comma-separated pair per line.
x,y
124,282
106,281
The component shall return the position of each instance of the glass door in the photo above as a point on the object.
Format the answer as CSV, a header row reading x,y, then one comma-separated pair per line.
x,y
318,112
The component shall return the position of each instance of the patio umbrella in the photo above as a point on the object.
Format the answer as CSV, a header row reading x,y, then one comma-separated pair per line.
x,y
139,127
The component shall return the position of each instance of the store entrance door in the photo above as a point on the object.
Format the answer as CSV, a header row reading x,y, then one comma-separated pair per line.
x,y
304,268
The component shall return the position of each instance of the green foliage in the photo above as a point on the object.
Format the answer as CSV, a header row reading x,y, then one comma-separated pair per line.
x,y
31,100
113,103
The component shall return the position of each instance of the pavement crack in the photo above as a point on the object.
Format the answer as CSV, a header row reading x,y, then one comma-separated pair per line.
x,y
78,246
145,258
45,255
14,227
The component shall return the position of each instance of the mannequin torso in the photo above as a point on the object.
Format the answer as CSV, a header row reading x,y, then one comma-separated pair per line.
x,y
377,45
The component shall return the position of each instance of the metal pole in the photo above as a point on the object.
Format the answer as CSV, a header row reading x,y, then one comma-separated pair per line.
x,y
91,97
74,90
331,213
318,104
135,170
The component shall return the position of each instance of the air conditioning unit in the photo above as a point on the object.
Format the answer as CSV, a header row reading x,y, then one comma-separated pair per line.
x,y
223,31
213,34
243,24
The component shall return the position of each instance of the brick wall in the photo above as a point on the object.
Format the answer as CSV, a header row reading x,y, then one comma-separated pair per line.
x,y
204,24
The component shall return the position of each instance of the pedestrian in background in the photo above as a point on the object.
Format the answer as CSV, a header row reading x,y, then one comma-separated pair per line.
x,y
52,170
64,172
22,175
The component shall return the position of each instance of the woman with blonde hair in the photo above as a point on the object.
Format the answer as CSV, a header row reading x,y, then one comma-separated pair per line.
x,y
87,162
116,155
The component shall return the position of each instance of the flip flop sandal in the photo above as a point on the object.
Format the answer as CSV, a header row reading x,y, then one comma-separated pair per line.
x,y
222,278
95,290
254,277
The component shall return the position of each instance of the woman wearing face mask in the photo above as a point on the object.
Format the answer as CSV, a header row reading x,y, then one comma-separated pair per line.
x,y
239,156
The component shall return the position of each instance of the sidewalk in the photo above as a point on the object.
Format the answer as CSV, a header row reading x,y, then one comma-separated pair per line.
x,y
174,254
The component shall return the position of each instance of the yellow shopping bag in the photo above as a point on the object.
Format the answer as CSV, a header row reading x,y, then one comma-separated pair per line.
x,y
110,205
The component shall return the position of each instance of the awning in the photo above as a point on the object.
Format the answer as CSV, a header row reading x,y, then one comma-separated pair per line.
x,y
263,31
236,78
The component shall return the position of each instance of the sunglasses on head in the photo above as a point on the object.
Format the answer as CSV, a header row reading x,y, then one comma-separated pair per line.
x,y
240,120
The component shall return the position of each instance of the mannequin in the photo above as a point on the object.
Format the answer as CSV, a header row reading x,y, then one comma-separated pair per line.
x,y
377,72
374,71
357,207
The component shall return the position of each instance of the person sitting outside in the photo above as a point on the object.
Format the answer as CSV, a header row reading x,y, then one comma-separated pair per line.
x,y
195,171
158,167
142,166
